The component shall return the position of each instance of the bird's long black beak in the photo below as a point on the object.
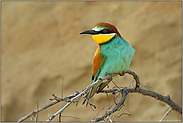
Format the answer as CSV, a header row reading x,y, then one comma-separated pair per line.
x,y
92,32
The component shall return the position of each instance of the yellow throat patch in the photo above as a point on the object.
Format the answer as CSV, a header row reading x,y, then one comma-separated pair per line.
x,y
103,38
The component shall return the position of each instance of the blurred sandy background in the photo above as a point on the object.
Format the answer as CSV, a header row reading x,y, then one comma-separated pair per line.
x,y
41,45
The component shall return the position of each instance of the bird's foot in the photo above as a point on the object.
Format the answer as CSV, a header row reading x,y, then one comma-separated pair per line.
x,y
110,77
122,73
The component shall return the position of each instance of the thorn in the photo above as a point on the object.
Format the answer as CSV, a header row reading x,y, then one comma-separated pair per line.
x,y
54,95
168,97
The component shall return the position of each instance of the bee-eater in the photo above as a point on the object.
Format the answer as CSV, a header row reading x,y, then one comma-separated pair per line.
x,y
113,55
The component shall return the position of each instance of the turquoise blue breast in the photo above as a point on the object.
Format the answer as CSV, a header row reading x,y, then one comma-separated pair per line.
x,y
119,55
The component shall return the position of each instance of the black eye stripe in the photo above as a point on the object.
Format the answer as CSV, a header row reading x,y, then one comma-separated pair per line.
x,y
102,32
106,32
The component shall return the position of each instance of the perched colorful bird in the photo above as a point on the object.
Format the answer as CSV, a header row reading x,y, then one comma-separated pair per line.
x,y
113,54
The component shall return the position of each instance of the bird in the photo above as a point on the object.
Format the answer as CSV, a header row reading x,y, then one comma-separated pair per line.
x,y
113,55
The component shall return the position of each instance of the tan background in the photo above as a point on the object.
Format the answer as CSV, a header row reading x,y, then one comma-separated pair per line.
x,y
41,45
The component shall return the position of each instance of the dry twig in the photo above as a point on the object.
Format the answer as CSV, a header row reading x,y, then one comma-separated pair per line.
x,y
165,114
71,97
124,92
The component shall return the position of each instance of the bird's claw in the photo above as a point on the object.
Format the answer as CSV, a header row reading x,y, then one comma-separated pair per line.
x,y
122,73
110,77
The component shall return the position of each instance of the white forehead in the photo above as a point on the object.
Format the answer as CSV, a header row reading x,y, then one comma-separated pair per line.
x,y
97,28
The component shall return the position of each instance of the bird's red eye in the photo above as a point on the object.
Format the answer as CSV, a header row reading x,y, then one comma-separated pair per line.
x,y
104,30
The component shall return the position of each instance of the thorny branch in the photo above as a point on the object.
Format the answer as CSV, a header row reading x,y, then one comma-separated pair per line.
x,y
143,91
71,97
124,92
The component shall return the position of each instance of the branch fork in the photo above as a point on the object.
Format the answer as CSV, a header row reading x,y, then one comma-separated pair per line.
x,y
123,92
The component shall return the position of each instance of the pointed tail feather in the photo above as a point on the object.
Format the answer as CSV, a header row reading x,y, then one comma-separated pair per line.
x,y
90,94
97,89
103,85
